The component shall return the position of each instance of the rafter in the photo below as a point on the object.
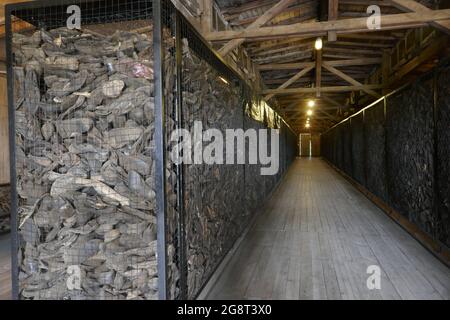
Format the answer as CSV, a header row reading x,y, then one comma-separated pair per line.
x,y
389,22
291,81
334,63
350,80
323,89
409,5
266,17
331,101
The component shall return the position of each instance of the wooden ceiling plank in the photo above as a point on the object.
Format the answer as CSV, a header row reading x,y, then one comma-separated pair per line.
x,y
266,17
416,7
334,63
323,89
390,22
409,5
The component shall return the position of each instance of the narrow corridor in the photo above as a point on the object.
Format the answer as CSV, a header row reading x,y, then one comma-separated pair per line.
x,y
317,238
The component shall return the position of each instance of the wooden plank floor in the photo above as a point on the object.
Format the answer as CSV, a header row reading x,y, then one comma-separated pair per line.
x,y
5,268
316,239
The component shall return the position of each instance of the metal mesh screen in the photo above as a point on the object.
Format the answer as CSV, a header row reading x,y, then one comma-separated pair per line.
x,y
409,151
375,156
5,208
219,199
399,151
347,147
213,192
357,154
443,155
339,137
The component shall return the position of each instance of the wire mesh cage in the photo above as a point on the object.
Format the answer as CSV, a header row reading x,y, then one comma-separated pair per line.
x,y
83,114
442,116
97,89
375,150
357,136
410,152
399,142
220,193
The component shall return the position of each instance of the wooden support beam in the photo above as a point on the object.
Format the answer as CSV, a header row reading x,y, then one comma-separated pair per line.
x,y
206,17
333,12
322,89
262,20
368,36
263,46
409,5
291,81
318,71
334,63
434,49
389,22
284,66
361,44
333,102
350,80
330,116
187,14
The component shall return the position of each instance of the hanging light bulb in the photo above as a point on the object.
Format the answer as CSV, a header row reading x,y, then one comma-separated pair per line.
x,y
308,125
311,103
309,113
318,45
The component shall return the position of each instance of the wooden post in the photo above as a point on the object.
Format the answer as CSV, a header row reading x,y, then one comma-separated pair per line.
x,y
4,133
318,71
332,15
206,17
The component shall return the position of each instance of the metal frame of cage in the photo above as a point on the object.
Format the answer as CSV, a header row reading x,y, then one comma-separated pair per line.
x,y
180,27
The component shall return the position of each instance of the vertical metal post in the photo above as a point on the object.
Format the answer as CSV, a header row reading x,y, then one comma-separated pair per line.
x,y
436,195
364,147
160,152
180,167
386,158
12,156
351,173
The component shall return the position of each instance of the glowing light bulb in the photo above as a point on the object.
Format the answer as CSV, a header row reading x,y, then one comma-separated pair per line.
x,y
311,103
309,113
223,80
308,125
318,45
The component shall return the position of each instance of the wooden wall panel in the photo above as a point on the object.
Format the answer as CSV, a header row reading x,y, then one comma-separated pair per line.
x,y
4,149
